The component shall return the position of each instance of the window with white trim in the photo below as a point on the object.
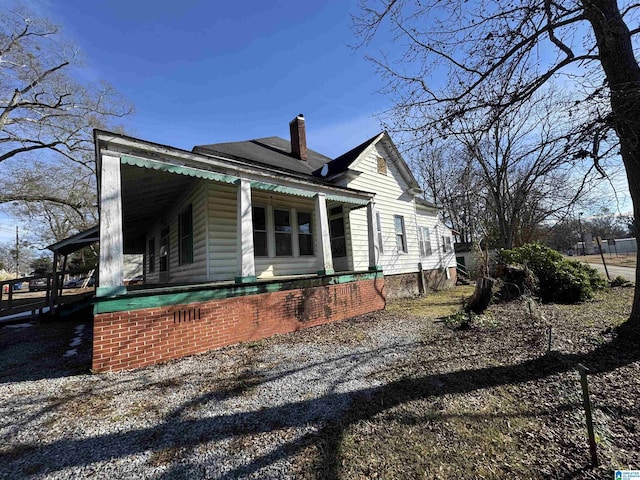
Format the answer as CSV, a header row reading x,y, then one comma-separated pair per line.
x,y
185,236
425,242
446,244
260,244
401,236
379,229
152,255
305,234
282,227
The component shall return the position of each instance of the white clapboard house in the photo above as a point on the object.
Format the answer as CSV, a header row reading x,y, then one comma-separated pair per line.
x,y
230,221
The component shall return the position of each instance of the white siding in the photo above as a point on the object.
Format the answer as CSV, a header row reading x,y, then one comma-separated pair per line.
x,y
196,271
391,199
222,225
191,272
214,228
437,229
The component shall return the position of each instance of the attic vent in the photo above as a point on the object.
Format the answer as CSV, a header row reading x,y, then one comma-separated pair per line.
x,y
382,166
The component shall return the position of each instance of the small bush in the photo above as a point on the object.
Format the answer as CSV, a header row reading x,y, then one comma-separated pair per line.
x,y
620,281
559,280
460,320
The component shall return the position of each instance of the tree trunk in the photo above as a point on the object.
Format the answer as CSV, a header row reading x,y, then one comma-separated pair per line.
x,y
481,297
623,77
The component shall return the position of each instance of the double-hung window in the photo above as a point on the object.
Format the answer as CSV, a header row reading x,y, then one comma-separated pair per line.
x,y
401,236
425,242
185,235
260,245
446,244
379,230
282,226
152,255
305,234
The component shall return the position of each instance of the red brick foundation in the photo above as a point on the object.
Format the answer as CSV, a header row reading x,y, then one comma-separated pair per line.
x,y
138,338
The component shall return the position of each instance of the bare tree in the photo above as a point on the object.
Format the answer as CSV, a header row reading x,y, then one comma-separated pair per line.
x,y
34,192
46,112
506,175
454,53
606,225
448,179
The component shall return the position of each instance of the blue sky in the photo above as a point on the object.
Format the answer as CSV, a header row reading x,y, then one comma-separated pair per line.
x,y
206,71
201,71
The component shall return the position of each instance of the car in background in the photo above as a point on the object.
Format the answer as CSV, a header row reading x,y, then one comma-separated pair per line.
x,y
74,283
37,284
137,280
16,286
78,282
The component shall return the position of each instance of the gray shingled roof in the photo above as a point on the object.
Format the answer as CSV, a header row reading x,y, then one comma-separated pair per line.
x,y
269,151
344,161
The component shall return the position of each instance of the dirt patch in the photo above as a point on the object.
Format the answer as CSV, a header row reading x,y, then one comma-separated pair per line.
x,y
493,402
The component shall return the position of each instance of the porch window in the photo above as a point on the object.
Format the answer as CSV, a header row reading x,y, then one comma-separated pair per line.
x,y
446,244
305,234
260,247
401,237
152,255
425,242
164,250
282,225
379,229
185,235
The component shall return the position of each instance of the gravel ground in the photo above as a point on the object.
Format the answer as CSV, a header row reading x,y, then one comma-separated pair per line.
x,y
237,412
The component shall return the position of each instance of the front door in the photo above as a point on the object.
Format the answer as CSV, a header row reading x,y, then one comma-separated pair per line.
x,y
164,256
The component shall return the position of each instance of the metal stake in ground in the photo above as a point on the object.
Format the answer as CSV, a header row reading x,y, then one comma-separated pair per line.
x,y
599,242
587,411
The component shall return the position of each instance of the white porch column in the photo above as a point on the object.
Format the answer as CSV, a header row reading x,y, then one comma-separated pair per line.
x,y
323,239
111,277
374,244
246,272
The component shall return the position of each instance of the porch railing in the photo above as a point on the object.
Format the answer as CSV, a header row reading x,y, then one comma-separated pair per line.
x,y
10,305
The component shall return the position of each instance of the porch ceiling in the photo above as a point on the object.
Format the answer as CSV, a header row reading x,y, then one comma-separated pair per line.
x,y
147,195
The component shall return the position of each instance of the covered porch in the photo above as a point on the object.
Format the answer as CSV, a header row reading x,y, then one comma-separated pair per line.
x,y
198,221
233,252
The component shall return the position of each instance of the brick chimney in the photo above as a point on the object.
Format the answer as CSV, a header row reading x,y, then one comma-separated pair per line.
x,y
298,138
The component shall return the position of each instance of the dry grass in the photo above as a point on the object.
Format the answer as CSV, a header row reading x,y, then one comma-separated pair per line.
x,y
618,260
434,304
490,403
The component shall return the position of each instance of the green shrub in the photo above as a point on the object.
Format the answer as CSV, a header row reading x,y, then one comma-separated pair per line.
x,y
560,280
620,281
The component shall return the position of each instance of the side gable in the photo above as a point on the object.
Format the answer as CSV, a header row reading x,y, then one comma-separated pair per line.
x,y
355,161
342,163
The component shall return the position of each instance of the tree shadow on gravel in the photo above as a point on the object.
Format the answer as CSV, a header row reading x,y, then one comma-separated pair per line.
x,y
38,351
607,357
179,432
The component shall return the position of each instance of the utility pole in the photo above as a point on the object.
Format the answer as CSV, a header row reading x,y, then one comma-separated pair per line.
x,y
584,249
17,254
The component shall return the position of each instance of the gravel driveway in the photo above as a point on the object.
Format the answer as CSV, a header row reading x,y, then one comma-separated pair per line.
x,y
238,412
